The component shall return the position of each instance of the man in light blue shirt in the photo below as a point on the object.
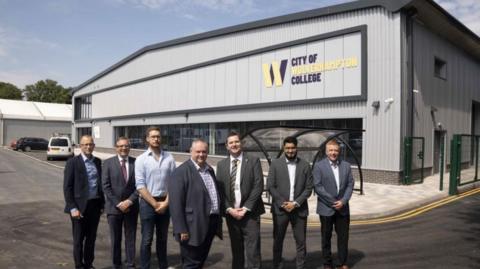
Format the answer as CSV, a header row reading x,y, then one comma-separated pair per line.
x,y
152,170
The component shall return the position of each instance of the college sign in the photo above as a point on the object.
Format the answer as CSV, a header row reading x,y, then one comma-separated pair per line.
x,y
329,67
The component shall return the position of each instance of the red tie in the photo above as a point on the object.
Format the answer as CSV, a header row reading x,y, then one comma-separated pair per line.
x,y
124,170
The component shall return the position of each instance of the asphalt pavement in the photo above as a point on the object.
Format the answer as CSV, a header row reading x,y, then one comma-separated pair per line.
x,y
35,233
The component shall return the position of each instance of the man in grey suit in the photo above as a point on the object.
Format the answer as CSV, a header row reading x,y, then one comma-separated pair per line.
x,y
290,184
195,206
333,184
242,179
121,202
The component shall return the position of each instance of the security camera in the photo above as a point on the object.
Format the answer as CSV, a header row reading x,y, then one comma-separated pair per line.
x,y
389,100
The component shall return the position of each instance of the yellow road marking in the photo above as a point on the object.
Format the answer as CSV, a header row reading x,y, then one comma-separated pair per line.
x,y
405,215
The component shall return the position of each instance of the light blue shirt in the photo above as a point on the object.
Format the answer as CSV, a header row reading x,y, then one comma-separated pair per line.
x,y
152,174
92,175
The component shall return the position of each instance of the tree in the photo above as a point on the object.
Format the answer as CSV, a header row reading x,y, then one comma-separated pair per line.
x,y
48,91
10,91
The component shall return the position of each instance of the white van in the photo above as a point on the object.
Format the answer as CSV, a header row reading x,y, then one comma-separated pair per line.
x,y
59,147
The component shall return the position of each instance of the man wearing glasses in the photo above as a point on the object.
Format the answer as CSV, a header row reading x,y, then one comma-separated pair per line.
x,y
82,189
152,170
121,202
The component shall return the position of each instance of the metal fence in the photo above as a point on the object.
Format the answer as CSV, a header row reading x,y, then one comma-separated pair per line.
x,y
464,161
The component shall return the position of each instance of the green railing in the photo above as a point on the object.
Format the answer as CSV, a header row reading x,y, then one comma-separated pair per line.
x,y
464,153
414,148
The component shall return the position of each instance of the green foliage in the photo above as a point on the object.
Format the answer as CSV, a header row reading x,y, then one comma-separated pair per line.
x,y
48,91
10,91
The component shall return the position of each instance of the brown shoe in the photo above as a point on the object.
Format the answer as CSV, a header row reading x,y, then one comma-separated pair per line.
x,y
343,267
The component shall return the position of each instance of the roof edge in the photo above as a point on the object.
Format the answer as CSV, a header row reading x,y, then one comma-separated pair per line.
x,y
390,5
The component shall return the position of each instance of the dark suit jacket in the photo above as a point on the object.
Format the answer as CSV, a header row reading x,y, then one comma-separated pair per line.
x,y
115,187
190,204
251,183
326,187
75,184
278,184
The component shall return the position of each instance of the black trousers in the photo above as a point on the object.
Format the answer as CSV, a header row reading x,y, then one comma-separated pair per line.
x,y
245,241
299,228
342,227
128,223
84,232
193,257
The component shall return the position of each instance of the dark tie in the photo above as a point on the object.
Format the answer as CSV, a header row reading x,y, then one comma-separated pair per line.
x,y
233,177
124,170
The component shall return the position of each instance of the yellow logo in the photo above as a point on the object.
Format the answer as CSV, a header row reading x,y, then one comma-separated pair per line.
x,y
274,72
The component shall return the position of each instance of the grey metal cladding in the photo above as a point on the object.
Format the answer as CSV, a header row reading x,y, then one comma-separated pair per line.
x,y
362,29
390,5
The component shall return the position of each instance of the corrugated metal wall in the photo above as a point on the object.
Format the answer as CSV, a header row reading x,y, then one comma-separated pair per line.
x,y
451,97
381,149
14,129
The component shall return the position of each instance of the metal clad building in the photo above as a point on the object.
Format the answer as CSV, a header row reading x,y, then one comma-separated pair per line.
x,y
33,119
345,66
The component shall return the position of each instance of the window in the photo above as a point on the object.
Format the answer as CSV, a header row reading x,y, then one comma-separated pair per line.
x,y
83,107
178,137
440,68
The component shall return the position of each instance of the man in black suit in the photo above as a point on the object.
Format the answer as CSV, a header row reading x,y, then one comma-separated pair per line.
x,y
121,203
290,183
242,179
195,206
82,189
333,184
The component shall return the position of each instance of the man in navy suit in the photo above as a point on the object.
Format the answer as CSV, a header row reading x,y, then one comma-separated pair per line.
x,y
333,184
121,204
195,206
82,190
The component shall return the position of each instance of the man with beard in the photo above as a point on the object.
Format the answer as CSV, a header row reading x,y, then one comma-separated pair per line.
x,y
290,184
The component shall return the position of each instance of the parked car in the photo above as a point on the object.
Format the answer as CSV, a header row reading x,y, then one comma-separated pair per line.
x,y
31,143
59,147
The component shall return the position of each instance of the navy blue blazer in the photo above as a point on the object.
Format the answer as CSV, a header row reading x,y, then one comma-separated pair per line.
x,y
75,184
190,204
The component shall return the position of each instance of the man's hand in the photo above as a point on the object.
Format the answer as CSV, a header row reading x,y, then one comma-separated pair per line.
x,y
76,214
338,205
288,206
237,213
184,237
161,207
124,206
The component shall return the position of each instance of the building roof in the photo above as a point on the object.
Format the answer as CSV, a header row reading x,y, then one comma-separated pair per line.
x,y
430,13
25,110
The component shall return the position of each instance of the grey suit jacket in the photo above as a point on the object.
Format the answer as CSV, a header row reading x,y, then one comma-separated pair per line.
x,y
190,204
278,184
326,187
114,186
251,183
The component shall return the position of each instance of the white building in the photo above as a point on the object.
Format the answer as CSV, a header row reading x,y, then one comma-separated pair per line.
x,y
393,68
33,119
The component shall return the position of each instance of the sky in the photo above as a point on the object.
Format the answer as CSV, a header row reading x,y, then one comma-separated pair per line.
x,y
71,41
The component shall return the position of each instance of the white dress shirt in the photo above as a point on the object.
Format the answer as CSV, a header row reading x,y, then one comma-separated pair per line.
x,y
292,167
238,192
334,166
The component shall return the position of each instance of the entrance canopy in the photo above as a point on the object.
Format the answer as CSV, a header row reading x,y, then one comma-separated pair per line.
x,y
267,143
